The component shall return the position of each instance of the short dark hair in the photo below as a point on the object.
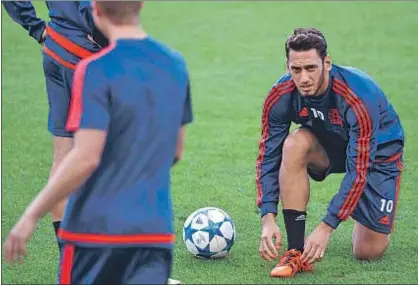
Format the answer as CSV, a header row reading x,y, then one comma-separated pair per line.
x,y
304,39
120,12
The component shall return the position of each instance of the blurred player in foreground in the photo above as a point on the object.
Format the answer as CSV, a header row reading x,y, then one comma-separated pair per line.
x,y
347,126
69,37
129,105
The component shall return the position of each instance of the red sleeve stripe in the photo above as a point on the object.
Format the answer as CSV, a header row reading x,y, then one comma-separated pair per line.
x,y
362,162
363,146
76,104
271,99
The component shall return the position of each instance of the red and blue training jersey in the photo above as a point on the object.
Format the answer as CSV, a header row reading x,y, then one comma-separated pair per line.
x,y
355,108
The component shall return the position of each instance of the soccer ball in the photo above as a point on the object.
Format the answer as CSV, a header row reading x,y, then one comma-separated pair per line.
x,y
209,233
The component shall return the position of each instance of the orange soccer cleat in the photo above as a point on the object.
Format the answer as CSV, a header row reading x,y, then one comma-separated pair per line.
x,y
290,264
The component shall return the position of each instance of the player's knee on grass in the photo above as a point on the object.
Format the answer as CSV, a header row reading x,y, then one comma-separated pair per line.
x,y
368,244
368,251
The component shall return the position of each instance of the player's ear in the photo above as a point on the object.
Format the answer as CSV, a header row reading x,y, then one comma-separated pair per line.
x,y
327,63
287,66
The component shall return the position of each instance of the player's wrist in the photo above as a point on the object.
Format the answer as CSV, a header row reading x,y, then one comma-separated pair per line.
x,y
39,34
331,220
268,218
43,36
325,227
34,211
268,208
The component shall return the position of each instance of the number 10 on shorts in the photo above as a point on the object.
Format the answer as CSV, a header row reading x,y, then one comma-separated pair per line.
x,y
386,205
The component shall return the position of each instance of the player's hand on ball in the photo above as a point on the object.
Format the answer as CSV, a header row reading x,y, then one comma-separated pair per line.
x,y
316,244
15,246
271,238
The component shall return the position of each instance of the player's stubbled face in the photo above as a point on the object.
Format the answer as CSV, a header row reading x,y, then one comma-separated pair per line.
x,y
308,71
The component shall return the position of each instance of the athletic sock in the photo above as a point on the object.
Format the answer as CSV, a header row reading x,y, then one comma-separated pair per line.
x,y
56,227
295,228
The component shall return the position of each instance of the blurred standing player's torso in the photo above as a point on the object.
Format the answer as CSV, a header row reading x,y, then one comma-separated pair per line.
x,y
72,21
142,101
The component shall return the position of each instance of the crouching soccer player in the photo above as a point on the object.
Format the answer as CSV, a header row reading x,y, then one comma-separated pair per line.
x,y
347,126
129,105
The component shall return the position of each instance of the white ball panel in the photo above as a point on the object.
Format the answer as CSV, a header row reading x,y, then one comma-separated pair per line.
x,y
191,247
216,216
217,244
201,239
199,222
227,230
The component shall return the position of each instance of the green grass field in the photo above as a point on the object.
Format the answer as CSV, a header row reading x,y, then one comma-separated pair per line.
x,y
235,53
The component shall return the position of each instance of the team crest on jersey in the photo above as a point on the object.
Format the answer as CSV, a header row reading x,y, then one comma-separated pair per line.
x,y
334,117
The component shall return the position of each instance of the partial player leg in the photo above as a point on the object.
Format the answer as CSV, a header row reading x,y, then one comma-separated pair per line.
x,y
376,211
62,145
301,151
58,84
